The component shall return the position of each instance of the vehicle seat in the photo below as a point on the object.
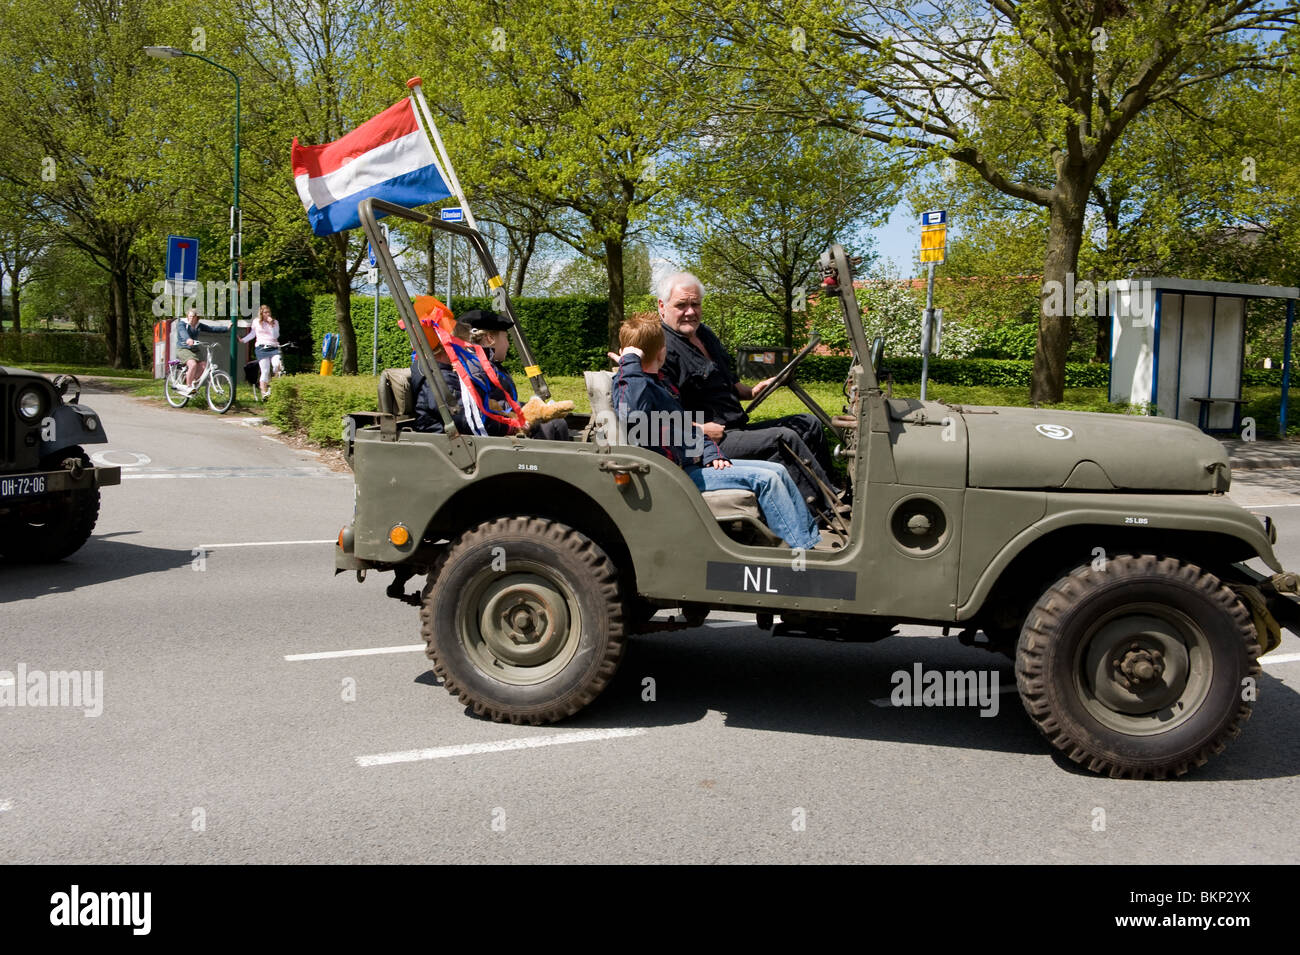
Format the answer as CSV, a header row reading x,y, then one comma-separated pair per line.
x,y
395,395
735,508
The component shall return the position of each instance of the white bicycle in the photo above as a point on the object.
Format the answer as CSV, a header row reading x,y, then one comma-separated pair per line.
x,y
220,389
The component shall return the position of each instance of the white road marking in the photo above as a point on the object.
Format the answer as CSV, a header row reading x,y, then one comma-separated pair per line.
x,y
190,473
499,746
1280,658
105,458
6,681
888,702
5,805
335,654
265,544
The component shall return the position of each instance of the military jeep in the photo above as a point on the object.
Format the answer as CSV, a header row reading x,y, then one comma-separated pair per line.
x,y
49,489
1098,551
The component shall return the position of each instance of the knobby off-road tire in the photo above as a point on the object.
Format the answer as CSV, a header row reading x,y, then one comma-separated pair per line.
x,y
54,528
174,397
523,620
221,392
1139,669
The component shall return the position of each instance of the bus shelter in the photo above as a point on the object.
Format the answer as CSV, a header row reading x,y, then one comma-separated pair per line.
x,y
1177,347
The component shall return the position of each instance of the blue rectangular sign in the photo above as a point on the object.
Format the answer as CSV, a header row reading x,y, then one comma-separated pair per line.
x,y
182,258
937,217
454,214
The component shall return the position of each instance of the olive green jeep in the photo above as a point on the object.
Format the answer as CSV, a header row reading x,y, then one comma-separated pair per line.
x,y
1099,551
49,489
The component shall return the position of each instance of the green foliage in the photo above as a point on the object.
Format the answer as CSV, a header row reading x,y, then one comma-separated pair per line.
x,y
61,348
567,334
1008,341
965,371
316,405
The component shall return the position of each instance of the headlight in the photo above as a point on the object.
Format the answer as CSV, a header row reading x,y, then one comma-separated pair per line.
x,y
31,404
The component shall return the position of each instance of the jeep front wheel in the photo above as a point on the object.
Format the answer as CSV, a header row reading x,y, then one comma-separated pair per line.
x,y
1139,668
523,620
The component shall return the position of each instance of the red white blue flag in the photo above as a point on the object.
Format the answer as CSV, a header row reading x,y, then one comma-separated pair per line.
x,y
388,157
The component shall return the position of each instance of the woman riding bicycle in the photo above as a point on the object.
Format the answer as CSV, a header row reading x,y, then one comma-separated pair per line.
x,y
267,332
187,332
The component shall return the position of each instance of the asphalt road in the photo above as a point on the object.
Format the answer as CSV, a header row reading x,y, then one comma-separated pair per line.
x,y
207,599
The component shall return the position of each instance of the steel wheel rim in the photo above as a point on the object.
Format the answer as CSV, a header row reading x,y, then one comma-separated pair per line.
x,y
521,626
1143,669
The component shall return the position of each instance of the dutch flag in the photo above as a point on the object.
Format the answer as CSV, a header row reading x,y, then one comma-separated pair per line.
x,y
388,157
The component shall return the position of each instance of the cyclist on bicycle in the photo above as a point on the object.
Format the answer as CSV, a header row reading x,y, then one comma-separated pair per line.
x,y
187,330
267,332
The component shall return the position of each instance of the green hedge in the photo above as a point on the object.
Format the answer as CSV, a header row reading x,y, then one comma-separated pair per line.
x,y
317,405
567,334
54,348
1005,373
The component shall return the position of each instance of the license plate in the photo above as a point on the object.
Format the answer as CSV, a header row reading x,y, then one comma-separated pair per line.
x,y
14,487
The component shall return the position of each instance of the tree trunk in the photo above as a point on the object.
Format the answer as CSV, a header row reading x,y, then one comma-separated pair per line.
x,y
122,356
1064,236
347,363
525,256
110,325
614,268
431,272
787,311
13,305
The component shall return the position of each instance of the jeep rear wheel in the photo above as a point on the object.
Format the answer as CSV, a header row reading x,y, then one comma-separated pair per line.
x,y
524,620
1137,669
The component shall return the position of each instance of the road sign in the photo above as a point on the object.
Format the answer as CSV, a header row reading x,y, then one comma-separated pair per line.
x,y
371,249
934,236
372,276
182,265
453,214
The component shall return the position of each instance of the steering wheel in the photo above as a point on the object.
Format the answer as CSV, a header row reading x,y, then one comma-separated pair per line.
x,y
786,374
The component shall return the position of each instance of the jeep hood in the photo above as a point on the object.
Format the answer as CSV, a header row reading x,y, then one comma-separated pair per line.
x,y
1088,451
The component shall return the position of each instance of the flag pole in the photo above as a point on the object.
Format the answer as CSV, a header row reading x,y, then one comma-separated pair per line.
x,y
416,86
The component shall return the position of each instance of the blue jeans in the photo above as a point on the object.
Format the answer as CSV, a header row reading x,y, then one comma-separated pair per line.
x,y
783,508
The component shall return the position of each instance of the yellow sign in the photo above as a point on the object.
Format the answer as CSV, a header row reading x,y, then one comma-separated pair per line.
x,y
934,239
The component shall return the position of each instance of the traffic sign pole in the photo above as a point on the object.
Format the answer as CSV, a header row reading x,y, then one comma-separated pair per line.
x,y
452,214
934,240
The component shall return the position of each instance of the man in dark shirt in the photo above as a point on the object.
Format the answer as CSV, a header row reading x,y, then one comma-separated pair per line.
x,y
698,366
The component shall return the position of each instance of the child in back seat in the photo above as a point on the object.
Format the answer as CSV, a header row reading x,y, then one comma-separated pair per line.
x,y
654,419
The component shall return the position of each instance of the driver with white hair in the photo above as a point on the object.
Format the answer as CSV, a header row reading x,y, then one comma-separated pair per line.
x,y
699,368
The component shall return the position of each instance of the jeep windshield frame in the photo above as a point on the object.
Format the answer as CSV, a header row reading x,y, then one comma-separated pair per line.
x,y
837,272
406,309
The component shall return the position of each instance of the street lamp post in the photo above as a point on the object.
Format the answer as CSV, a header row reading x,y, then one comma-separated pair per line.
x,y
236,273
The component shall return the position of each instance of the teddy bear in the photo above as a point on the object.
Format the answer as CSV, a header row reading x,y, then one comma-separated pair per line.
x,y
536,410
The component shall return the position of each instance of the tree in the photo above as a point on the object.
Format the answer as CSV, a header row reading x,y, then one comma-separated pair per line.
x,y
1034,96
312,76
770,200
81,122
579,106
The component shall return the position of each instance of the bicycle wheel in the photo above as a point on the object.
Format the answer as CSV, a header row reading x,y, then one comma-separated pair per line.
x,y
171,383
221,391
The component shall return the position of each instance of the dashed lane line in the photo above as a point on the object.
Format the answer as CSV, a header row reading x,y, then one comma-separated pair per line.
x,y
498,746
263,544
335,654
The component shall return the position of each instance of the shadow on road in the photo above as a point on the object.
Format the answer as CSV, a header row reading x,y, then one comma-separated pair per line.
x,y
103,558
824,689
